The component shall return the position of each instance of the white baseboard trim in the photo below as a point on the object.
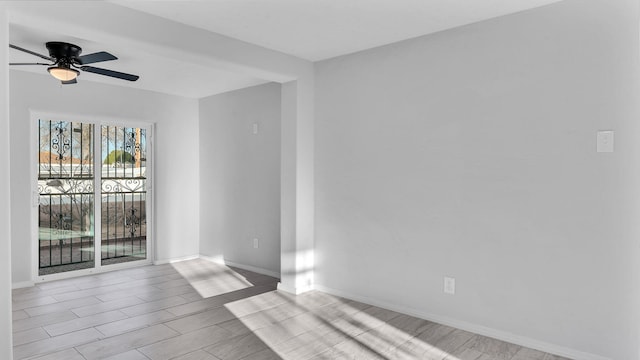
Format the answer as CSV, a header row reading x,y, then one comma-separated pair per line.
x,y
295,291
474,328
254,269
221,260
174,260
282,287
22,284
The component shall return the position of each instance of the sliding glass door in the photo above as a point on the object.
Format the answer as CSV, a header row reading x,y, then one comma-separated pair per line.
x,y
124,194
66,181
72,158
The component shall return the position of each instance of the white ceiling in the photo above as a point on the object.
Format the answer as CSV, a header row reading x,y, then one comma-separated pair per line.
x,y
308,29
320,29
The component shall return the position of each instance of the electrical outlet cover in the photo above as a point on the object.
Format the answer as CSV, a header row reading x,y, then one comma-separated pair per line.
x,y
604,141
449,285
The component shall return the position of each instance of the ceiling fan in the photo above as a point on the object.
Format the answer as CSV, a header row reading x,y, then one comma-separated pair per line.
x,y
66,62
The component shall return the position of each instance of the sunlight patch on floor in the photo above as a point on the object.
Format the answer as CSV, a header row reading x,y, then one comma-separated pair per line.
x,y
320,326
211,279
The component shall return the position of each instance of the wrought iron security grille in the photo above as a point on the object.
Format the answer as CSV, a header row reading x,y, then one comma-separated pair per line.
x,y
124,194
67,195
65,188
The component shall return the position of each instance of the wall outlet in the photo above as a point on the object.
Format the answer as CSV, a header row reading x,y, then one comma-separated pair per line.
x,y
256,243
604,141
449,285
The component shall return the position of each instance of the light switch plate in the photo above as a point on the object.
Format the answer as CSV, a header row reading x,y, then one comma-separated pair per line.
x,y
605,141
449,285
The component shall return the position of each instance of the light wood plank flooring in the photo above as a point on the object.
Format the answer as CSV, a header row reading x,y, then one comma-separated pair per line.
x,y
197,310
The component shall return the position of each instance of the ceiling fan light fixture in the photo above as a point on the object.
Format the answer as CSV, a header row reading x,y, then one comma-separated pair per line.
x,y
66,62
63,73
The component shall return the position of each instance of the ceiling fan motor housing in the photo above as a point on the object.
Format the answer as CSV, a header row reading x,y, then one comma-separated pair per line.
x,y
64,52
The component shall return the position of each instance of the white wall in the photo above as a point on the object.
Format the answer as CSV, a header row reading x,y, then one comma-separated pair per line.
x,y
471,153
5,208
176,156
240,176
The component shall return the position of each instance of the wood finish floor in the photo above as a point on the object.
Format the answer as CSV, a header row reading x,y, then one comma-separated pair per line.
x,y
197,310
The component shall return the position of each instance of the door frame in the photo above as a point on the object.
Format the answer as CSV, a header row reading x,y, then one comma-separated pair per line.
x,y
97,122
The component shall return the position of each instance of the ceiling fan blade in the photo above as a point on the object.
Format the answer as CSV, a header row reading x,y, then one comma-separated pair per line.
x,y
111,73
74,81
96,57
31,64
31,52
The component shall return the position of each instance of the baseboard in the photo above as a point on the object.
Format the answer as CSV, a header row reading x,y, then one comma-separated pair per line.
x,y
474,328
214,259
295,291
254,269
173,260
22,284
221,260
